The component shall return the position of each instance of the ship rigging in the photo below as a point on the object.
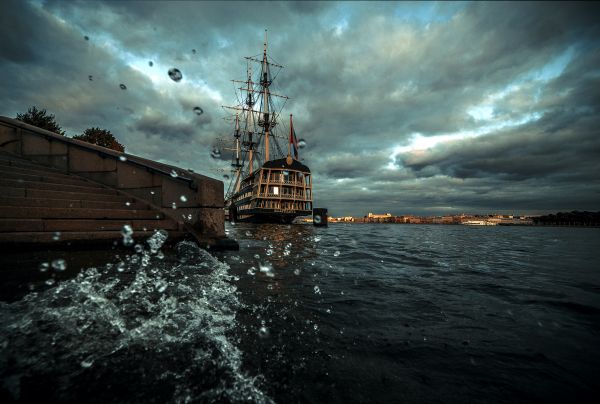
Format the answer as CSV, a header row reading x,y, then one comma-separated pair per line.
x,y
267,185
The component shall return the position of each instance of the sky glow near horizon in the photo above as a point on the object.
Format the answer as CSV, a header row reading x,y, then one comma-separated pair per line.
x,y
406,108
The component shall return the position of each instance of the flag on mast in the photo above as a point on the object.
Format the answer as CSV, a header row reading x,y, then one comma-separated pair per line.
x,y
293,139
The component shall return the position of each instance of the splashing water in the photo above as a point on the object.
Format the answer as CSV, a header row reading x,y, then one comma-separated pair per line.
x,y
150,327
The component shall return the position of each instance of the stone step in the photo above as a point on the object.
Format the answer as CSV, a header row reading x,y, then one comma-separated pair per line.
x,y
15,212
52,194
61,225
22,163
72,203
35,170
9,183
22,238
47,179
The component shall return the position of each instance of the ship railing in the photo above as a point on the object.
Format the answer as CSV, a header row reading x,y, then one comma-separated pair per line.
x,y
284,196
297,183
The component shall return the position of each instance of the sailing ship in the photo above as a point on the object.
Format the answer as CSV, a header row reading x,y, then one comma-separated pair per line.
x,y
267,186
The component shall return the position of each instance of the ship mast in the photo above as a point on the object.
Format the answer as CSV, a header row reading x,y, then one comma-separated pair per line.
x,y
265,83
249,120
237,166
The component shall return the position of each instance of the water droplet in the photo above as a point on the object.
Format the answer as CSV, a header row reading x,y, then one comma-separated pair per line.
x,y
90,78
301,143
160,286
267,269
317,219
317,290
296,271
44,266
86,363
173,173
225,176
59,265
122,86
317,239
126,232
151,192
263,332
175,74
183,198
194,51
198,111
122,158
269,252
138,248
252,271
150,63
316,327
127,203
215,153
173,205
328,311
285,172
120,266
257,256
336,254
50,282
56,236
87,38
160,255
248,233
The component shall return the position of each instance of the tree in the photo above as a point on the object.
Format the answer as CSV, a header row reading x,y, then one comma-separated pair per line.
x,y
41,119
100,137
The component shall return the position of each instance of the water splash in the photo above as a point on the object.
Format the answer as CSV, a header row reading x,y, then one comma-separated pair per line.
x,y
169,323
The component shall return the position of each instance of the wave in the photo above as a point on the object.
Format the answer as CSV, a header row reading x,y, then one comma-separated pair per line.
x,y
145,329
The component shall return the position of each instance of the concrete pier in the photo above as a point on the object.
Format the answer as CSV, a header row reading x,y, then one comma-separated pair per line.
x,y
51,183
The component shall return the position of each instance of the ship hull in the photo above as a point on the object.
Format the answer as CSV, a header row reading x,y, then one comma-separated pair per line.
x,y
278,192
264,215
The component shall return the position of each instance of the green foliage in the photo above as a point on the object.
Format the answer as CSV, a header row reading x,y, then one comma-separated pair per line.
x,y
100,137
41,119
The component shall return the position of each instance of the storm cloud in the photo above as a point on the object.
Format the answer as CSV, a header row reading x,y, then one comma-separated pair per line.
x,y
407,108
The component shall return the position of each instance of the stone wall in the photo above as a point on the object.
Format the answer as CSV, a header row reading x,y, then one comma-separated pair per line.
x,y
157,184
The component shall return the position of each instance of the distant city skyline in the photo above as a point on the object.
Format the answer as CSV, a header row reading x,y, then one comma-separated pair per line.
x,y
409,108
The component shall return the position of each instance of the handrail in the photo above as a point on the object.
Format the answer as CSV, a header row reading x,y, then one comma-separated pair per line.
x,y
142,162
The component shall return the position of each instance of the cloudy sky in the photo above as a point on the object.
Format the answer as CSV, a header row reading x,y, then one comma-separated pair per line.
x,y
420,108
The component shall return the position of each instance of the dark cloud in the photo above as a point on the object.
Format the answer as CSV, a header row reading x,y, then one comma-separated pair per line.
x,y
365,79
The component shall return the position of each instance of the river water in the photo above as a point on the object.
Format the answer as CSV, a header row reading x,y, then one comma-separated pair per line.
x,y
346,313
